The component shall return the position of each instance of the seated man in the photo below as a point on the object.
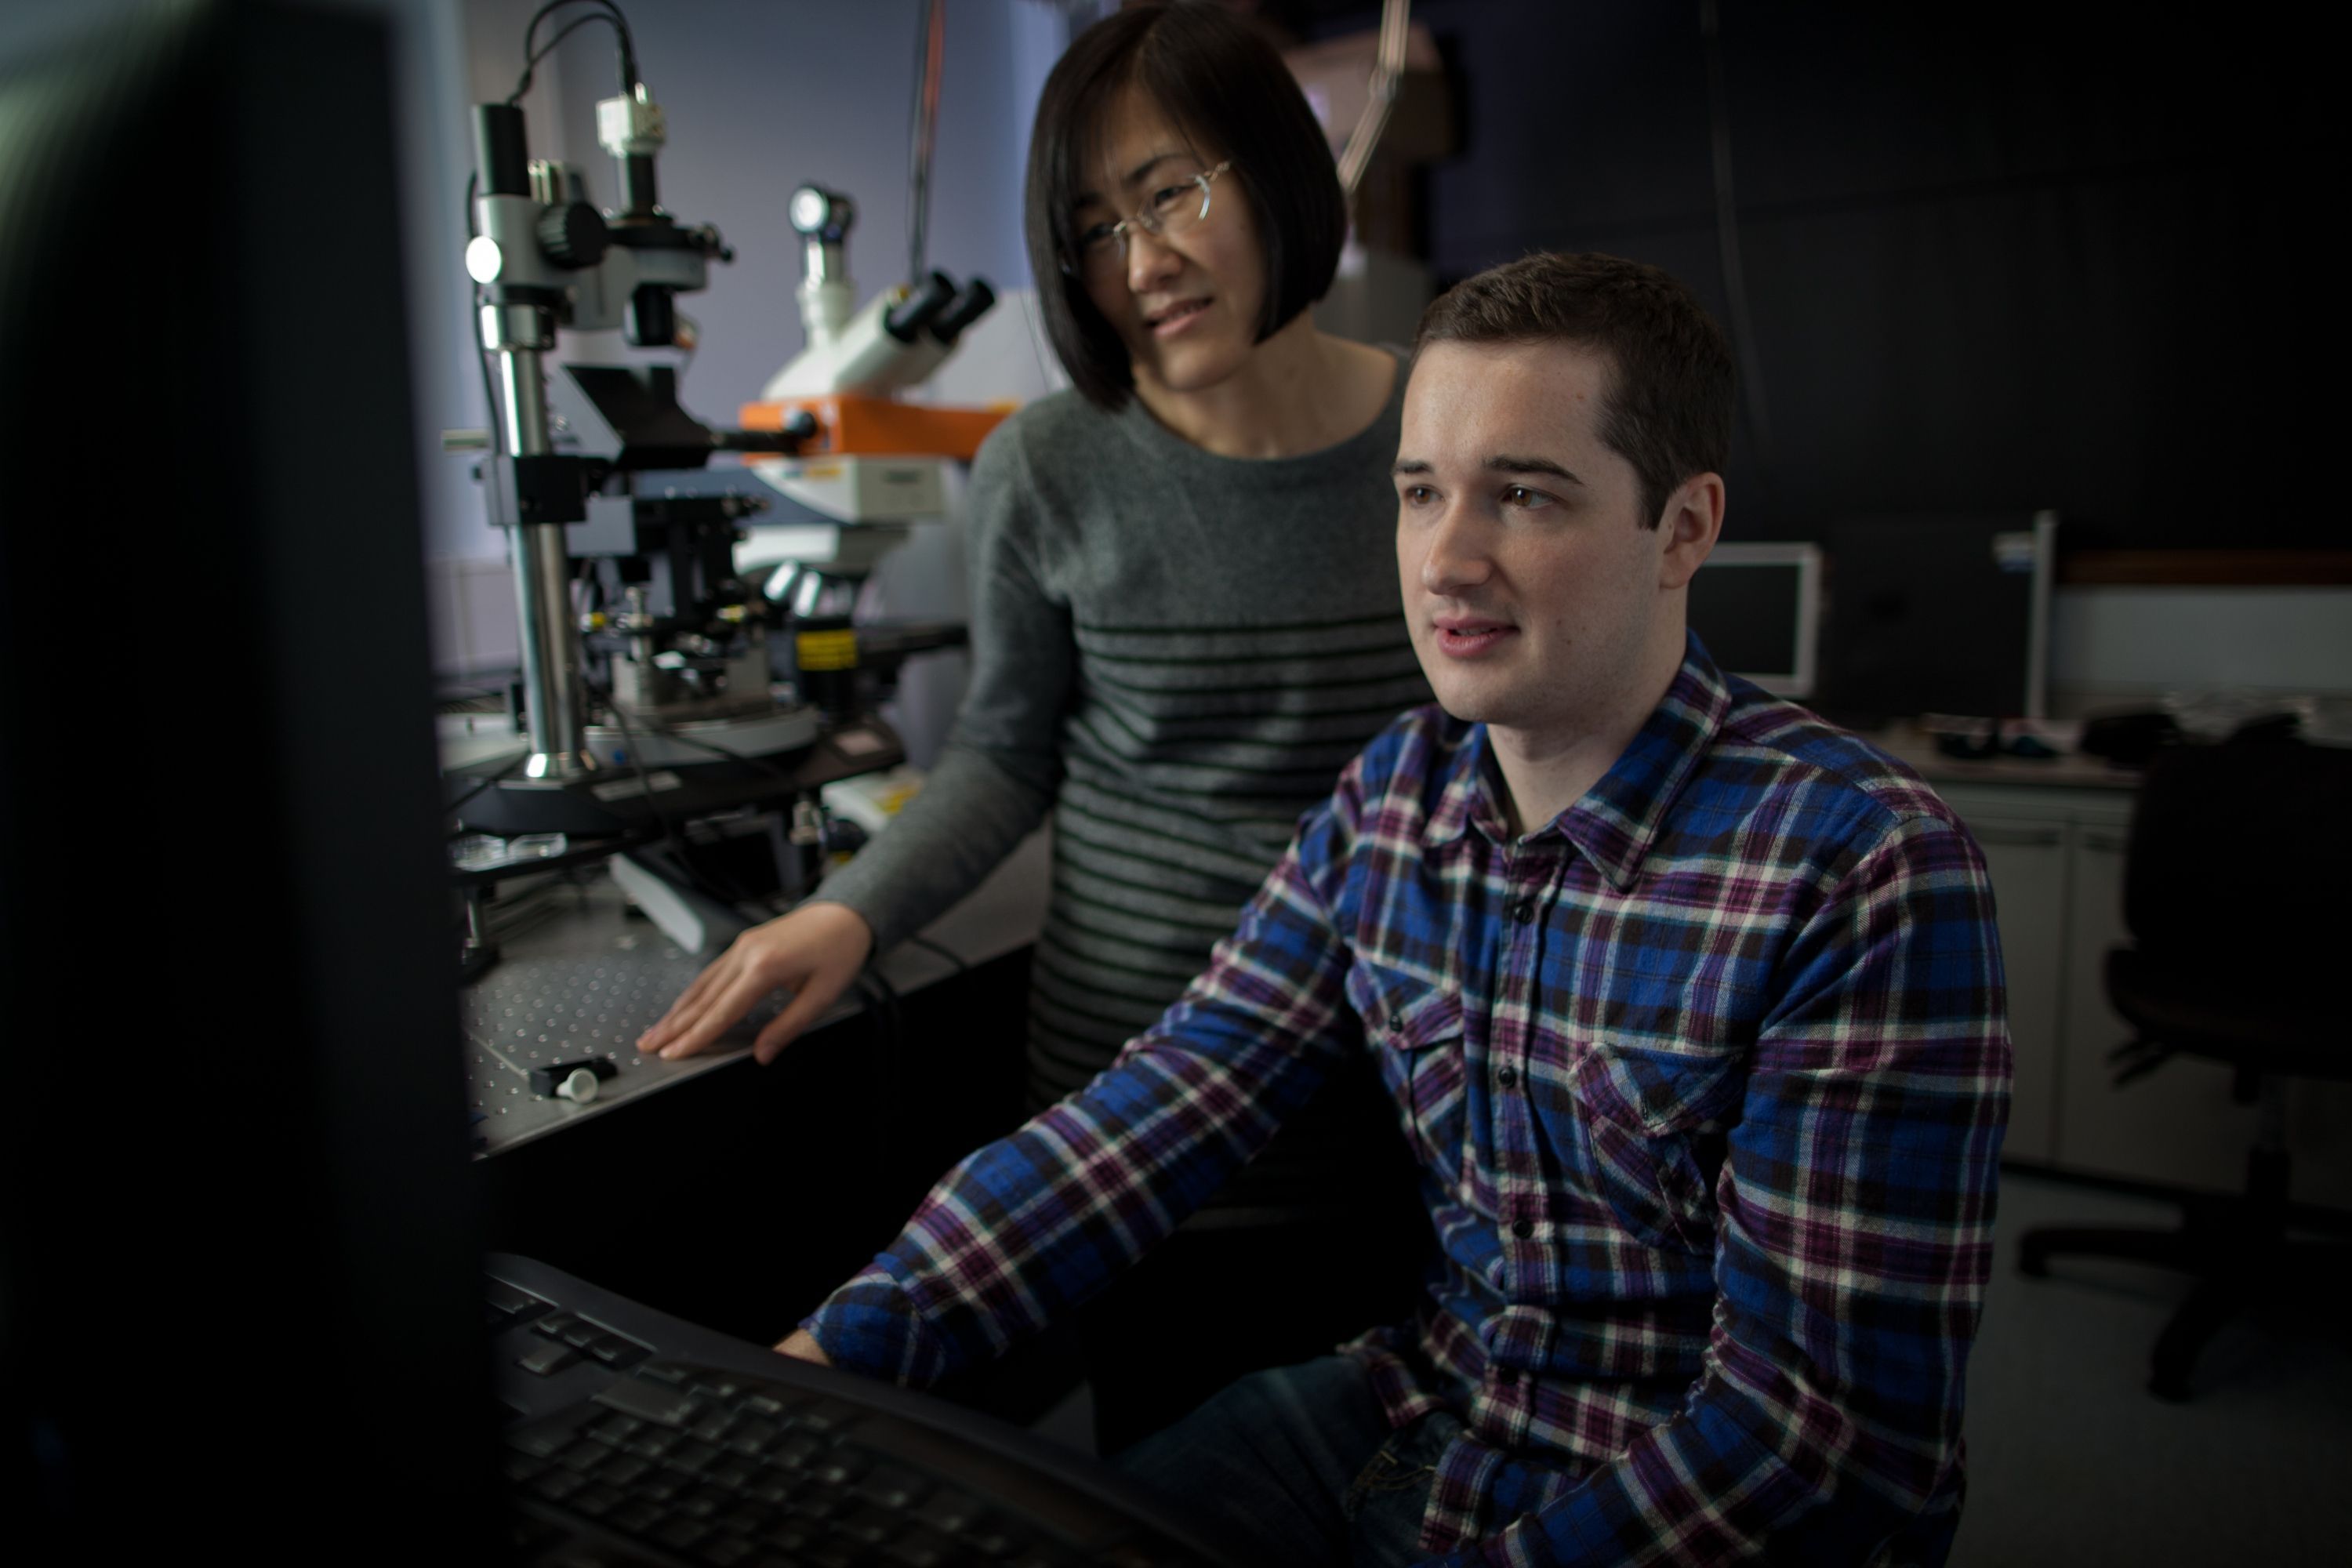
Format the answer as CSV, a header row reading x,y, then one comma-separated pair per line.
x,y
1690,1004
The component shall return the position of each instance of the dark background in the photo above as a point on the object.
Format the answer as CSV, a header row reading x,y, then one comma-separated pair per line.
x,y
1998,257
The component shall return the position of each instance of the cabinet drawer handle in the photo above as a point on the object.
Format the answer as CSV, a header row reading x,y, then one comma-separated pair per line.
x,y
2020,837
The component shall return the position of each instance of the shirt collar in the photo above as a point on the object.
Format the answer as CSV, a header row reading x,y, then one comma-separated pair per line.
x,y
1616,822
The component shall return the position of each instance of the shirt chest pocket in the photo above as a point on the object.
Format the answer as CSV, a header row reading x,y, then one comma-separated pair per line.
x,y
1414,1032
1649,1138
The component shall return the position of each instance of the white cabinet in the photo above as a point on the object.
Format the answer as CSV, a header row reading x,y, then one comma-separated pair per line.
x,y
2056,855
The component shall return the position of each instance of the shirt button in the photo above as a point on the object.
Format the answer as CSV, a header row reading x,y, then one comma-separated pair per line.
x,y
1523,911
1523,1228
1506,1077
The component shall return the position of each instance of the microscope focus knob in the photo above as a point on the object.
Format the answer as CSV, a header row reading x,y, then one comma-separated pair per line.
x,y
572,235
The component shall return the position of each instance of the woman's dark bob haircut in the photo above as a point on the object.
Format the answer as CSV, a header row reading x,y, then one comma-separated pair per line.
x,y
1227,89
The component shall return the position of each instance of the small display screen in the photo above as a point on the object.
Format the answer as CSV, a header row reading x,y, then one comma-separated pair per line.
x,y
1758,609
1747,616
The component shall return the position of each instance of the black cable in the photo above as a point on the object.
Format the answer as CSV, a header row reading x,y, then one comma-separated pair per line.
x,y
882,1009
608,12
1727,233
512,763
715,749
922,128
679,844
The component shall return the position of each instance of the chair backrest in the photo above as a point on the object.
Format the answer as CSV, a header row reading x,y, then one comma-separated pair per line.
x,y
2242,853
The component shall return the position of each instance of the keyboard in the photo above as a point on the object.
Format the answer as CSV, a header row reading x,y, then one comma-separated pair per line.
x,y
632,1437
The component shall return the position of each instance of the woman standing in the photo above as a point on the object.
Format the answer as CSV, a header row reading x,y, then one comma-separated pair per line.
x,y
1185,608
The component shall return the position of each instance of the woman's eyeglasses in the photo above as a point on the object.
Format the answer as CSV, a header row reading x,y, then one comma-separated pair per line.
x,y
1172,209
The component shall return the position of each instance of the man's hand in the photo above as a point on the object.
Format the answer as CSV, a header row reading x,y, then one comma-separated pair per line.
x,y
816,950
801,1345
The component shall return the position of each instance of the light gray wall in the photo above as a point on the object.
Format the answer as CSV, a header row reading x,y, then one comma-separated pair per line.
x,y
2111,644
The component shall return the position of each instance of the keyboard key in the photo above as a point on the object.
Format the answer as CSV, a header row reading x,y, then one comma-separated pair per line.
x,y
623,1470
790,1535
951,1512
514,1303
834,1469
668,1372
616,1428
692,1454
866,1524
725,1550
718,1385
521,1468
614,1350
834,1553
732,1474
990,1539
680,1532
751,1436
543,1438
584,1455
582,1334
653,1402
715,1427
663,1485
547,1360
817,1503
651,1444
921,1547
797,1451
553,1324
892,1487
765,1404
635,1517
596,1502
557,1483
699,1504
746,1518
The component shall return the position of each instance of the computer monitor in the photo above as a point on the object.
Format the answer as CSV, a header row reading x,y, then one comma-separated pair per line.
x,y
1758,608
1938,613
239,1261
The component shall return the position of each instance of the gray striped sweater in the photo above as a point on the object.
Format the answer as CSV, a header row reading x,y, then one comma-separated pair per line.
x,y
1174,653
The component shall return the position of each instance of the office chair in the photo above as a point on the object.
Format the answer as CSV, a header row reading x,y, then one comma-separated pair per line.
x,y
2238,895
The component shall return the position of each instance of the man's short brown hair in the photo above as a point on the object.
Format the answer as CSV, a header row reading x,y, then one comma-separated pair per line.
x,y
1669,405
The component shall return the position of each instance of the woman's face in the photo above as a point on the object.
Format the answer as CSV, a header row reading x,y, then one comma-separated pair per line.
x,y
1187,305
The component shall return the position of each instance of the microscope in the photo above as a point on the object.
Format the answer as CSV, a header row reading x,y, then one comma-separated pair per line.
x,y
869,465
647,681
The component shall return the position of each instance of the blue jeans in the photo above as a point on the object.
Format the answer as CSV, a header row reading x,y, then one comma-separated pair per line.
x,y
1300,1463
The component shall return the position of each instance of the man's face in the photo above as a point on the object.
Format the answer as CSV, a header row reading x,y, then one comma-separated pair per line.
x,y
1185,305
1536,597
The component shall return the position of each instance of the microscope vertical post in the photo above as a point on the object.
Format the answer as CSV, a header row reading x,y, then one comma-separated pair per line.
x,y
518,324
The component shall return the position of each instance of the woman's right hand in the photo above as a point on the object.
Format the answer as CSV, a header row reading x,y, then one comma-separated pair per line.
x,y
816,952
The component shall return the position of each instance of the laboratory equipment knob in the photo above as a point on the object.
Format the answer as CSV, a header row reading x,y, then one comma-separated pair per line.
x,y
579,1086
572,235
818,214
800,423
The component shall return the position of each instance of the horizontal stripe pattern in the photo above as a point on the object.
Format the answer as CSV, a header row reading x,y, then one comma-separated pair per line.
x,y
1190,753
